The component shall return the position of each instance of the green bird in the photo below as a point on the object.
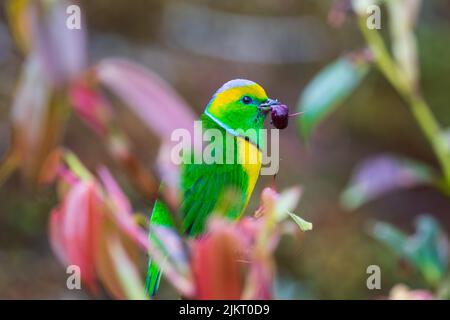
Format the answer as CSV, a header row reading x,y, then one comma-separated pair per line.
x,y
238,108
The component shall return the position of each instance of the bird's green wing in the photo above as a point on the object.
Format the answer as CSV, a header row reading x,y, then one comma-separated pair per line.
x,y
205,186
160,217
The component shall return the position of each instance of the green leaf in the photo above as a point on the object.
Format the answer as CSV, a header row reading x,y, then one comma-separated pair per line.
x,y
402,21
426,250
16,11
77,167
127,271
444,135
303,224
360,6
390,236
286,202
327,90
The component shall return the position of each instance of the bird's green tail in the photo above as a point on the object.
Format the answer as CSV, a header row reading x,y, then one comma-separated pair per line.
x,y
160,217
153,278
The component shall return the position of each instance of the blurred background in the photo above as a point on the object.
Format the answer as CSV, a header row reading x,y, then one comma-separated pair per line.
x,y
197,46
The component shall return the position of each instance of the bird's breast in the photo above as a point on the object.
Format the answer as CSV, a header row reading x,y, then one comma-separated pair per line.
x,y
250,158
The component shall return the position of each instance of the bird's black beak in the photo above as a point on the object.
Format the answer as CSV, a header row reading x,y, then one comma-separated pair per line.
x,y
268,104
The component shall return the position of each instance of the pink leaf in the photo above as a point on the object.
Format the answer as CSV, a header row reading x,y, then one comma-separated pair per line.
x,y
62,51
90,106
37,117
147,95
30,107
56,235
382,174
114,191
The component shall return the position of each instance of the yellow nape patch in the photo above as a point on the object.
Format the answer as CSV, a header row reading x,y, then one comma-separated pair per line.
x,y
250,159
234,94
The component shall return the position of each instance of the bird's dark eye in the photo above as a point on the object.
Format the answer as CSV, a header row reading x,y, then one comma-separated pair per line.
x,y
246,100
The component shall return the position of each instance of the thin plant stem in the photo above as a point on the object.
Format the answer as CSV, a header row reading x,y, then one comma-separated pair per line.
x,y
417,104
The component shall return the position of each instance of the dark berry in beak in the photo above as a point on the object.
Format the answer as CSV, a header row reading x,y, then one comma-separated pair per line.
x,y
280,116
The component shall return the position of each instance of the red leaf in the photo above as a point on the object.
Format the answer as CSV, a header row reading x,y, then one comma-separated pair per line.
x,y
74,228
216,264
